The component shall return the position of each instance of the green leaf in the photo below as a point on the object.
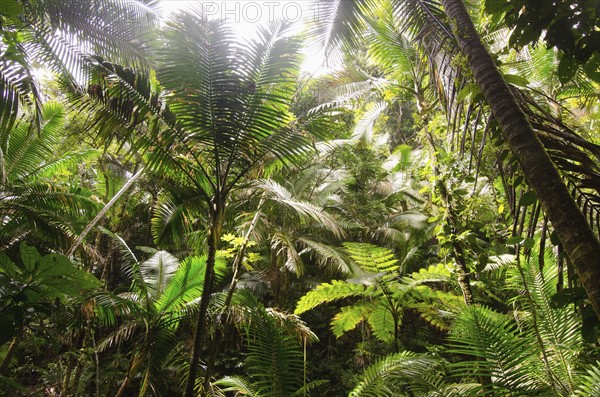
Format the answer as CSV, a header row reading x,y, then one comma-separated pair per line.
x,y
517,80
371,257
382,323
566,69
9,267
528,243
592,68
349,317
515,240
527,199
470,91
327,293
518,181
59,277
29,256
10,8
187,283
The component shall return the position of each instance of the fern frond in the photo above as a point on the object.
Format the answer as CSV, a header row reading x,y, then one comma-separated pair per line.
x,y
350,316
242,386
371,257
328,293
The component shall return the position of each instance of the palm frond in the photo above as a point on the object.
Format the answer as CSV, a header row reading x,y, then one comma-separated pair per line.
x,y
558,330
589,384
157,272
240,385
186,283
395,375
503,353
304,209
338,23
274,361
327,256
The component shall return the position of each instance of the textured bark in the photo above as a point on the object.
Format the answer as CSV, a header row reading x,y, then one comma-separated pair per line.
x,y
217,208
575,234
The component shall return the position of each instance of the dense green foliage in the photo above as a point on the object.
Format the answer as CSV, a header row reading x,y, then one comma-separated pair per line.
x,y
186,212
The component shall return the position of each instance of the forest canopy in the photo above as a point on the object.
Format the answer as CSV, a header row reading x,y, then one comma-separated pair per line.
x,y
273,199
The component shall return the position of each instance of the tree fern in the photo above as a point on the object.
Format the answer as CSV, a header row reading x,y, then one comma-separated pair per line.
x,y
385,320
380,297
34,202
350,316
372,258
328,293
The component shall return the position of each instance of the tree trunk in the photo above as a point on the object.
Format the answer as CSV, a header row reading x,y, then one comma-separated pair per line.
x,y
570,225
217,210
237,264
10,353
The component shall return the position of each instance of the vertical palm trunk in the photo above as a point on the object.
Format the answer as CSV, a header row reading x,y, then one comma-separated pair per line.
x,y
576,236
237,263
217,211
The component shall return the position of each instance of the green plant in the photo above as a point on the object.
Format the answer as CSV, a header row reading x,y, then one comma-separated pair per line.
x,y
533,351
32,288
29,285
381,296
227,112
35,202
274,360
163,293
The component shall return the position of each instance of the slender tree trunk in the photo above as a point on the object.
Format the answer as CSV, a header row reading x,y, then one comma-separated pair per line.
x,y
104,210
217,211
10,353
237,263
134,363
575,234
73,362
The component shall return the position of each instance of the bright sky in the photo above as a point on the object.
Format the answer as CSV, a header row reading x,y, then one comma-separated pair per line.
x,y
246,16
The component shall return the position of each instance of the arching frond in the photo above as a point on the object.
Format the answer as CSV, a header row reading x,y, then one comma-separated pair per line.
x,y
503,353
186,284
304,209
327,293
395,375
372,258
327,256
558,330
240,385
157,272
589,384
274,360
